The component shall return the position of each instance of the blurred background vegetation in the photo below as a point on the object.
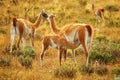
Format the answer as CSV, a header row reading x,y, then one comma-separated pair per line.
x,y
25,64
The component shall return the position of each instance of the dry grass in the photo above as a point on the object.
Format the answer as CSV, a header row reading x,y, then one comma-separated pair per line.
x,y
67,11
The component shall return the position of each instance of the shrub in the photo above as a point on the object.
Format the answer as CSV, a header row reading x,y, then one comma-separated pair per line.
x,y
28,51
66,71
27,54
16,52
113,22
115,51
4,62
112,7
101,70
116,71
117,22
105,51
101,38
102,58
3,31
86,69
110,21
82,2
7,48
101,54
25,61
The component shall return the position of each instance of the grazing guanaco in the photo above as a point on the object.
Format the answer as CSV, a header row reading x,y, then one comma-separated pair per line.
x,y
99,13
73,34
25,29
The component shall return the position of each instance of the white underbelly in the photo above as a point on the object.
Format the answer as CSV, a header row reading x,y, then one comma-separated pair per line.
x,y
72,37
27,33
52,44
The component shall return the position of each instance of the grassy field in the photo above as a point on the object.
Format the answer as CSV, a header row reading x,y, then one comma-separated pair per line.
x,y
66,11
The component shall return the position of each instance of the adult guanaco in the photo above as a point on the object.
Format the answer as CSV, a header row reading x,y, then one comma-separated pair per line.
x,y
99,13
73,34
25,29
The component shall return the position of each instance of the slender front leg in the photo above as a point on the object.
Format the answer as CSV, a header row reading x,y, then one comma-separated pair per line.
x,y
74,59
12,40
60,54
32,37
42,56
32,41
102,16
23,42
97,19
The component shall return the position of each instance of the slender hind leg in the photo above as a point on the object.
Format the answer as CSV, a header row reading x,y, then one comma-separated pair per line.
x,y
41,56
65,54
60,50
18,43
86,53
44,48
83,38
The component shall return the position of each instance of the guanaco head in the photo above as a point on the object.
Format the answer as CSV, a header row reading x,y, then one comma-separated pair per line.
x,y
43,14
14,23
50,16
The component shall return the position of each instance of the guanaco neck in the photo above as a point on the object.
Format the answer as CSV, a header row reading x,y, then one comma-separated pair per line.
x,y
53,26
93,8
37,22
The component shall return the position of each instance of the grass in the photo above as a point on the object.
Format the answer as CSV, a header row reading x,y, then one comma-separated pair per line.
x,y
116,71
4,62
86,69
102,70
67,70
66,11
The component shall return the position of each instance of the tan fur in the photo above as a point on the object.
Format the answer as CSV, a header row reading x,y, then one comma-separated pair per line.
x,y
67,30
60,42
98,12
53,26
25,29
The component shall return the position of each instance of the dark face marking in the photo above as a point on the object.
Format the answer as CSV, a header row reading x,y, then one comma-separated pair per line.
x,y
44,15
14,22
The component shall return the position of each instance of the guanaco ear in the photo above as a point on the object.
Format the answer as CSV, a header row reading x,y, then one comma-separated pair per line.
x,y
52,15
44,15
43,10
